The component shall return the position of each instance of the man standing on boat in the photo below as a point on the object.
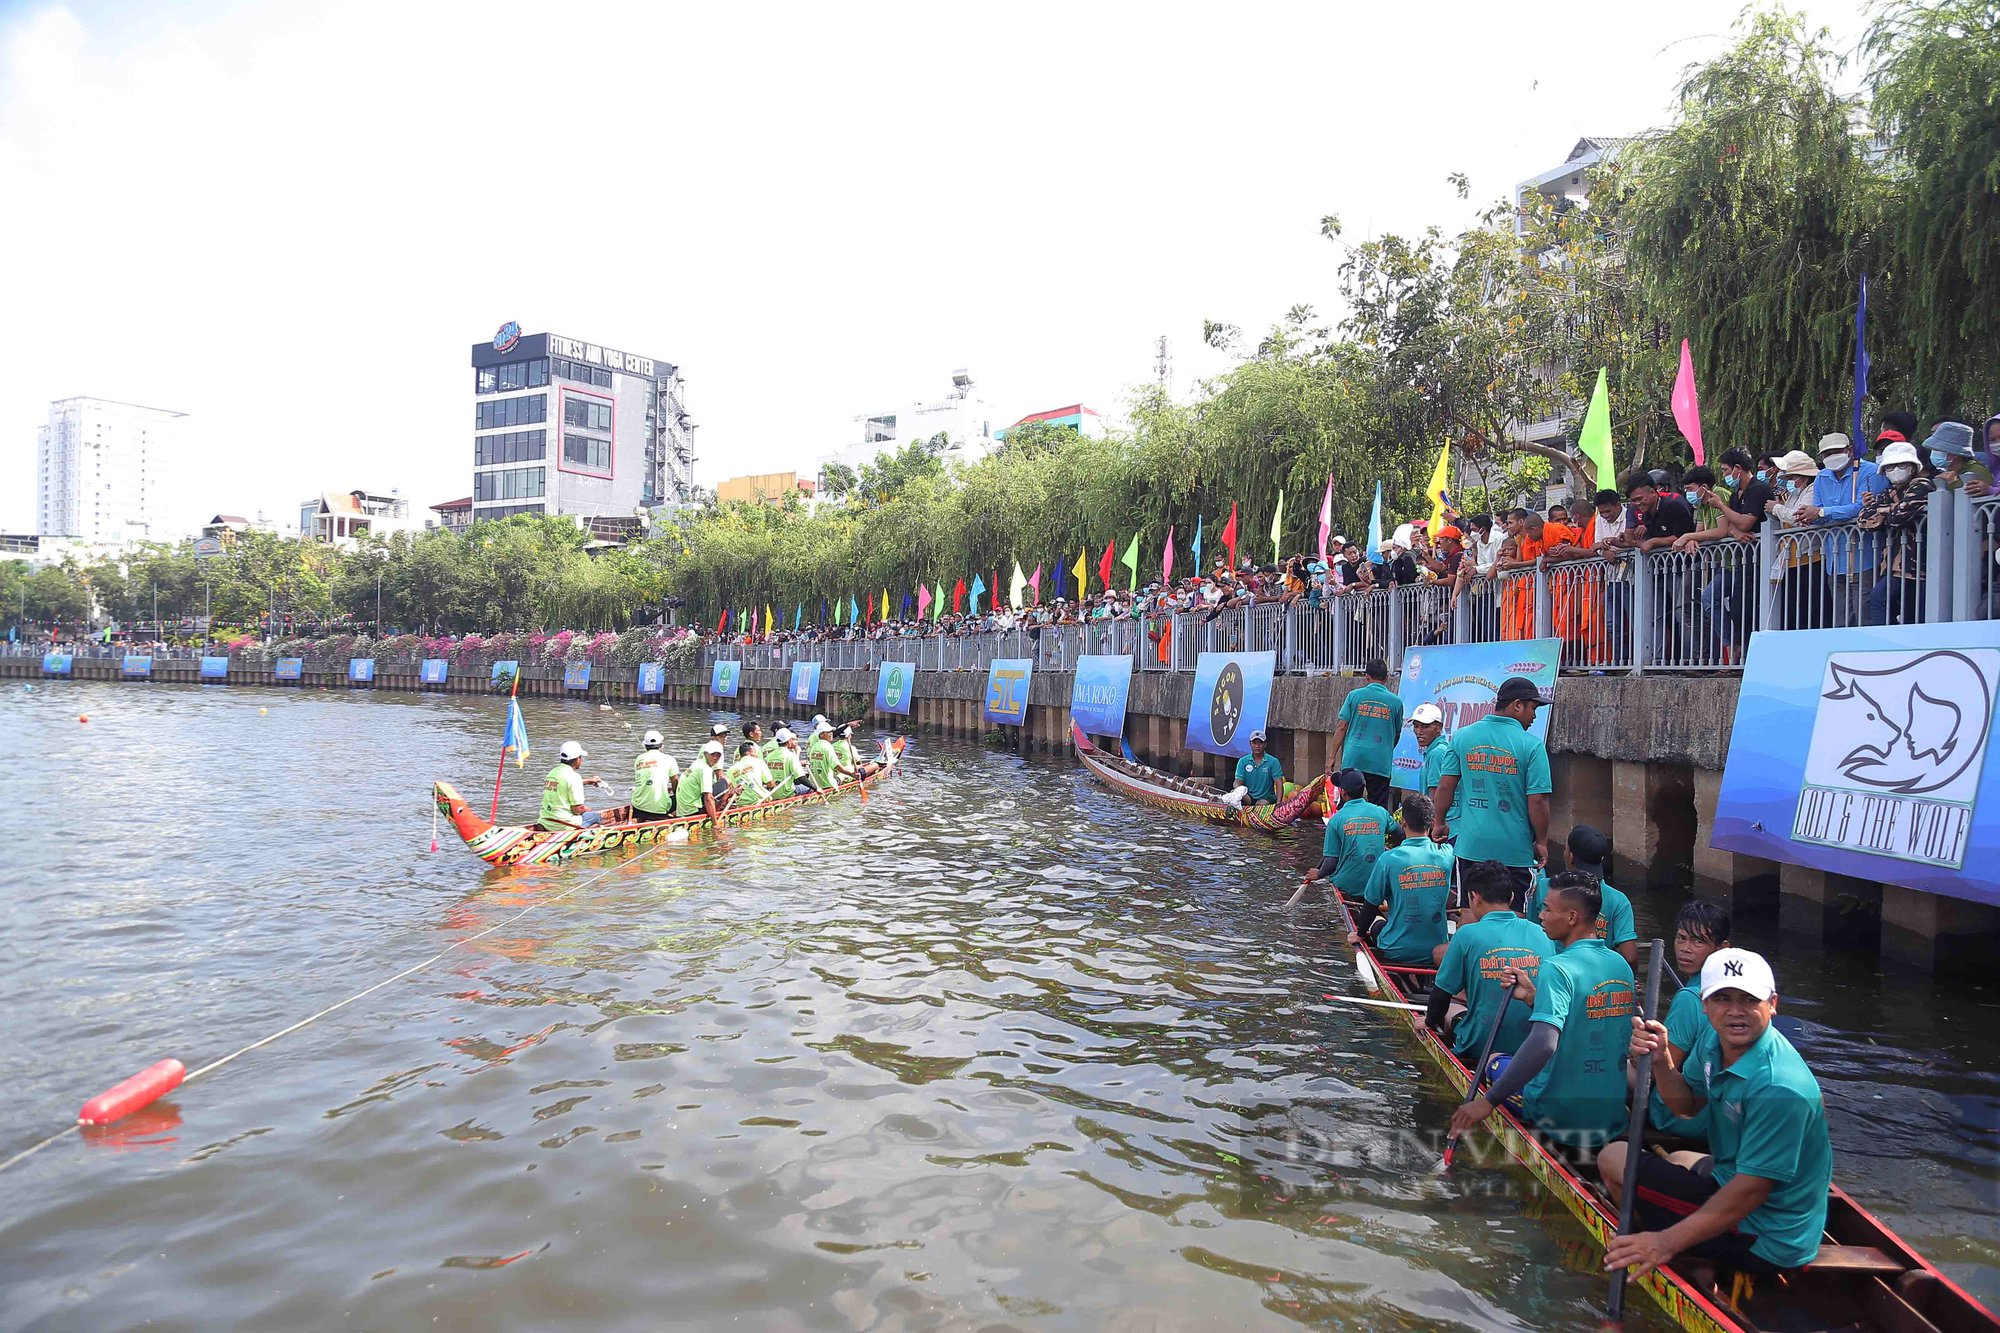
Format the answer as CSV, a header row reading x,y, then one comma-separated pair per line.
x,y
655,775
563,806
1260,774
1570,1072
1355,837
702,790
1496,776
1427,723
1758,1203
1491,941
1364,736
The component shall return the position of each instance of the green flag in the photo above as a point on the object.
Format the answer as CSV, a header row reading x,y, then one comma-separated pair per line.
x,y
937,602
1595,439
1131,561
836,610
1277,526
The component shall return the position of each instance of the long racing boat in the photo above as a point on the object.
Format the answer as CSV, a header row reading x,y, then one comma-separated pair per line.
x,y
531,844
1866,1277
1186,797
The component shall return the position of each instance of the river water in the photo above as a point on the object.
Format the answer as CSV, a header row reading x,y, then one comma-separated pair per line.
x,y
996,1049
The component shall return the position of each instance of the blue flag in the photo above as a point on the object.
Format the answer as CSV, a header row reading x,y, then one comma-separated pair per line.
x,y
853,611
1197,546
515,738
1375,528
798,615
978,586
1860,367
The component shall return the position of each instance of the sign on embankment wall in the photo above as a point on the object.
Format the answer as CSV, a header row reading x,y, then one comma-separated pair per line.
x,y
895,685
804,687
723,681
1230,702
1461,679
1099,692
1007,682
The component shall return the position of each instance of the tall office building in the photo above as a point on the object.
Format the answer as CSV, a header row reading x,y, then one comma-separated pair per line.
x,y
98,468
567,427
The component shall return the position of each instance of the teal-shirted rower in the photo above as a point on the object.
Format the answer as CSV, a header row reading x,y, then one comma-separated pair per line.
x,y
1261,773
1409,889
1491,941
1356,833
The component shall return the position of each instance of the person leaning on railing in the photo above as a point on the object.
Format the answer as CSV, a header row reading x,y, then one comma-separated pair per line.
x,y
1733,514
1801,603
1897,598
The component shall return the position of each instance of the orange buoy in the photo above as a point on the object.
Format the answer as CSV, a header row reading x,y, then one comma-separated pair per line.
x,y
83,717
142,1089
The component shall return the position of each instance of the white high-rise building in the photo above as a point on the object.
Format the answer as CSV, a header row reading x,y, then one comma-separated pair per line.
x,y
99,464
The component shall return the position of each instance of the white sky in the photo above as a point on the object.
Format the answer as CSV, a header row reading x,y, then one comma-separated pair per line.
x,y
292,220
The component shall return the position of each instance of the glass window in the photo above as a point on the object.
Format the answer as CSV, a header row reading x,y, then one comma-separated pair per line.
x,y
584,452
587,413
485,380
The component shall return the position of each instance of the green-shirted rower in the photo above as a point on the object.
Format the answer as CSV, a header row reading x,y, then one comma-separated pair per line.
x,y
655,775
821,760
702,790
746,776
843,749
1490,942
788,771
562,792
1410,887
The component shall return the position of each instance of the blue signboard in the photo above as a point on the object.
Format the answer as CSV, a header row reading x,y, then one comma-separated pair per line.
x,y
504,673
1461,679
1231,699
1007,682
576,675
805,683
434,670
1864,752
56,664
652,677
895,683
1097,695
215,668
136,665
361,670
723,683
291,668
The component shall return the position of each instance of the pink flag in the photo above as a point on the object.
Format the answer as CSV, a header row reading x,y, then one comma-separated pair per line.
x,y
1687,410
1167,568
923,600
1036,583
1325,518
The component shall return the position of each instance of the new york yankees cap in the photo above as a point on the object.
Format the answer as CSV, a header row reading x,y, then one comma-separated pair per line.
x,y
1738,969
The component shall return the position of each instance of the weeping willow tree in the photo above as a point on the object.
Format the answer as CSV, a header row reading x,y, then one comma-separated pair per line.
x,y
1753,217
1935,76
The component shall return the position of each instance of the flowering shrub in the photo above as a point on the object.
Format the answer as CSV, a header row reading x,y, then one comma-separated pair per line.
x,y
556,647
468,647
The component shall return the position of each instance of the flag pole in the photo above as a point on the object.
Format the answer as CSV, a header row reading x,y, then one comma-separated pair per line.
x,y
504,732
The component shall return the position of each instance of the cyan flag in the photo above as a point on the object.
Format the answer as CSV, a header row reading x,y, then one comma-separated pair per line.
x,y
1375,527
1197,546
978,586
515,738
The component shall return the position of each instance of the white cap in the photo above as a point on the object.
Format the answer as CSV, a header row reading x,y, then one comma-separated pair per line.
x,y
784,735
1835,442
571,750
1738,969
819,725
718,729
713,747
1256,735
652,740
1426,713
817,719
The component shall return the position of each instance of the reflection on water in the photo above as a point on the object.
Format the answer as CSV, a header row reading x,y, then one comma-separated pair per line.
x,y
994,1050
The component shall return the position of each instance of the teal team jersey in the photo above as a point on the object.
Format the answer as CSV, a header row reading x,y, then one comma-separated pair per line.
x,y
1354,838
1499,764
1615,925
1765,1118
1472,964
1585,992
1685,1023
1374,718
1264,777
1411,884
1433,770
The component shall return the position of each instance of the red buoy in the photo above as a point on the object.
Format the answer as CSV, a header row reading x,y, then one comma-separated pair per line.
x,y
142,1089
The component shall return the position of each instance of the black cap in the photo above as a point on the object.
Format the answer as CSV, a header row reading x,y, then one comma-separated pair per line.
x,y
1516,688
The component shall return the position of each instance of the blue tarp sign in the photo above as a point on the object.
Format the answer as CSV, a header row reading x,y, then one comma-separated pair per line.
x,y
805,683
1231,699
652,677
1461,679
291,668
895,684
215,668
434,670
723,682
576,676
361,670
1097,695
55,664
137,665
1007,682
504,673
1864,752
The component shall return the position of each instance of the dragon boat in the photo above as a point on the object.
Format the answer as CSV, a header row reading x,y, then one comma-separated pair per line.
x,y
1186,797
531,844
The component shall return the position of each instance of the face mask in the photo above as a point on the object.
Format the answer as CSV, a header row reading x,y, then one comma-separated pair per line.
x,y
1834,462
1940,459
1791,485
1901,473
1764,475
1693,498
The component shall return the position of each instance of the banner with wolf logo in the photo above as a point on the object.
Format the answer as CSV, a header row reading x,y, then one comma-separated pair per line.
x,y
1863,752
1232,697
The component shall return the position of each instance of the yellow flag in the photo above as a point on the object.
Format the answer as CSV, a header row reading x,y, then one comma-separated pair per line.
x,y
1440,479
1082,571
885,604
767,617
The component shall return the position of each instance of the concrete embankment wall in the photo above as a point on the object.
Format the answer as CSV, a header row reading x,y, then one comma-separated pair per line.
x,y
1640,757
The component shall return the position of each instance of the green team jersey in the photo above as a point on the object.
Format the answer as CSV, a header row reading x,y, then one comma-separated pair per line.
x,y
1374,718
654,777
562,791
822,761
844,751
697,782
1354,838
1411,883
1585,992
785,771
1264,777
1472,964
746,778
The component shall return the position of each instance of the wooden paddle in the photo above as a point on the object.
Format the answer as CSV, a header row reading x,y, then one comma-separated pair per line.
x,y
1642,1096
1479,1070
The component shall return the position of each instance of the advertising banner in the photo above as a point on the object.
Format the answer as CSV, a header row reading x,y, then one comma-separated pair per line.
x,y
361,670
291,668
576,675
1461,679
805,683
504,673
1007,683
1232,697
215,668
1864,752
138,666
1097,695
724,681
56,664
652,677
895,683
434,670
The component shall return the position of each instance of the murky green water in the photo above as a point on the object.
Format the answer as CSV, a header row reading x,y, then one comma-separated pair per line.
x,y
995,1050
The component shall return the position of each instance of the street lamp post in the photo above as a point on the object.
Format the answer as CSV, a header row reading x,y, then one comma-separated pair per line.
x,y
378,602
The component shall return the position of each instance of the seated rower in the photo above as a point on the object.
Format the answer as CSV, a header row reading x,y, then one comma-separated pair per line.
x,y
1758,1203
1409,886
562,792
1260,774
788,771
747,776
655,775
702,791
1570,1071
1701,929
1491,940
1589,850
821,760
843,749
1354,838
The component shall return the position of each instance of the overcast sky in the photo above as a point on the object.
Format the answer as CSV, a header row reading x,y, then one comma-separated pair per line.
x,y
292,220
